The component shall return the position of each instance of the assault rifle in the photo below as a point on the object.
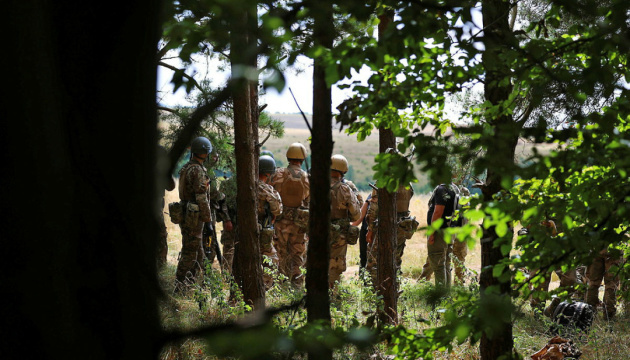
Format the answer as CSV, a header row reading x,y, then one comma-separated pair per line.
x,y
211,243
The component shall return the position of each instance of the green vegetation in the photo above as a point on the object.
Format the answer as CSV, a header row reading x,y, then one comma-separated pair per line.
x,y
353,306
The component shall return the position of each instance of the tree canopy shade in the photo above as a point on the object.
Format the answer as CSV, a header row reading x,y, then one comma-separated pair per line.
x,y
81,220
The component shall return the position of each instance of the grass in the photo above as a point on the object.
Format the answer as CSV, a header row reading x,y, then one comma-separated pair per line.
x,y
353,304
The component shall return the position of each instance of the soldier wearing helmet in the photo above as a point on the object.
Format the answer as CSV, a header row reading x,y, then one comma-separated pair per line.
x,y
193,194
290,228
269,207
345,203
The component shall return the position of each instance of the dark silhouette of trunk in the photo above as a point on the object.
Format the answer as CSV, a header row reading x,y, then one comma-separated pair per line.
x,y
387,286
318,253
497,39
79,198
247,266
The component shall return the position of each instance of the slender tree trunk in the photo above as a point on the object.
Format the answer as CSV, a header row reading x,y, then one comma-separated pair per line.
x,y
247,266
318,255
497,38
387,286
78,144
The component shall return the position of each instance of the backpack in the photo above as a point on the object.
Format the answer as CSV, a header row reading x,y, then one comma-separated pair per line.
x,y
570,316
291,189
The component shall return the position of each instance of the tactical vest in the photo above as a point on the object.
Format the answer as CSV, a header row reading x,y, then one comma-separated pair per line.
x,y
338,211
403,197
183,174
292,189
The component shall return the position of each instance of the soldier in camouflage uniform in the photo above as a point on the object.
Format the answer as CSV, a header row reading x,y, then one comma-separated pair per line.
x,y
345,208
228,235
598,271
406,227
290,228
193,194
269,206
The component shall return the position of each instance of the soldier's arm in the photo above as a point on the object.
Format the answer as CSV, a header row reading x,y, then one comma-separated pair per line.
x,y
353,204
275,203
307,191
200,187
364,208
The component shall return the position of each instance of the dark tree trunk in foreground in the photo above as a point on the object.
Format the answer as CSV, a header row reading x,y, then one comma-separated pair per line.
x,y
497,39
318,253
386,271
247,259
78,142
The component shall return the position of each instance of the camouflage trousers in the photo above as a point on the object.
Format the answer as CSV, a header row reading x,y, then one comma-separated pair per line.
x,y
597,271
401,242
162,242
439,257
290,243
227,239
337,264
459,250
270,257
192,256
568,281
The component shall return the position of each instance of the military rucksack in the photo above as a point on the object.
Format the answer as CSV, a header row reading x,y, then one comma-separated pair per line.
x,y
571,316
291,188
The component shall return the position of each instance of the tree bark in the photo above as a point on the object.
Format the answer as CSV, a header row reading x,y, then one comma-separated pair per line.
x,y
387,285
318,253
247,266
79,197
497,39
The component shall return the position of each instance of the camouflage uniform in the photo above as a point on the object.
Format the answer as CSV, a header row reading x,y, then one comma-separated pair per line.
x,y
345,207
600,270
220,213
228,187
406,227
290,237
193,193
269,206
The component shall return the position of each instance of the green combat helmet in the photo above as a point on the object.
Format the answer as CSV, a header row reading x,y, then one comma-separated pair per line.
x,y
266,165
268,153
201,145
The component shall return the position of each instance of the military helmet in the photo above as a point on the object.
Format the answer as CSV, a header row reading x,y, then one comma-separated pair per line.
x,y
339,163
201,145
266,165
268,153
296,151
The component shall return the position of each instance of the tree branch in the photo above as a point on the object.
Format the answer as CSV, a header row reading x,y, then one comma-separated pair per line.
x,y
256,319
190,78
192,125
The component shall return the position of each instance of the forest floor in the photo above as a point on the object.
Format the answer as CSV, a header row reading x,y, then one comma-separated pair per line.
x,y
353,304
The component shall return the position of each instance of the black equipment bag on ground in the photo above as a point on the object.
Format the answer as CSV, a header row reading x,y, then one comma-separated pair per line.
x,y
571,316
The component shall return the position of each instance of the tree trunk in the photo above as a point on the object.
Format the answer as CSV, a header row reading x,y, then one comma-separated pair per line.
x,y
79,199
247,266
497,38
387,285
318,253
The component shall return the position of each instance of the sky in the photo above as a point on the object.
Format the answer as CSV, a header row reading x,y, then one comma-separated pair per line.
x,y
300,82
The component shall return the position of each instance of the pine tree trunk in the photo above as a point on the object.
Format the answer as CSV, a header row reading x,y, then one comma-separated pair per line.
x,y
497,38
79,198
387,285
247,266
318,253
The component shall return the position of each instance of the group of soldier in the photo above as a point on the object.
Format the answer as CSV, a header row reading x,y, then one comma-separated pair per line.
x,y
283,203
